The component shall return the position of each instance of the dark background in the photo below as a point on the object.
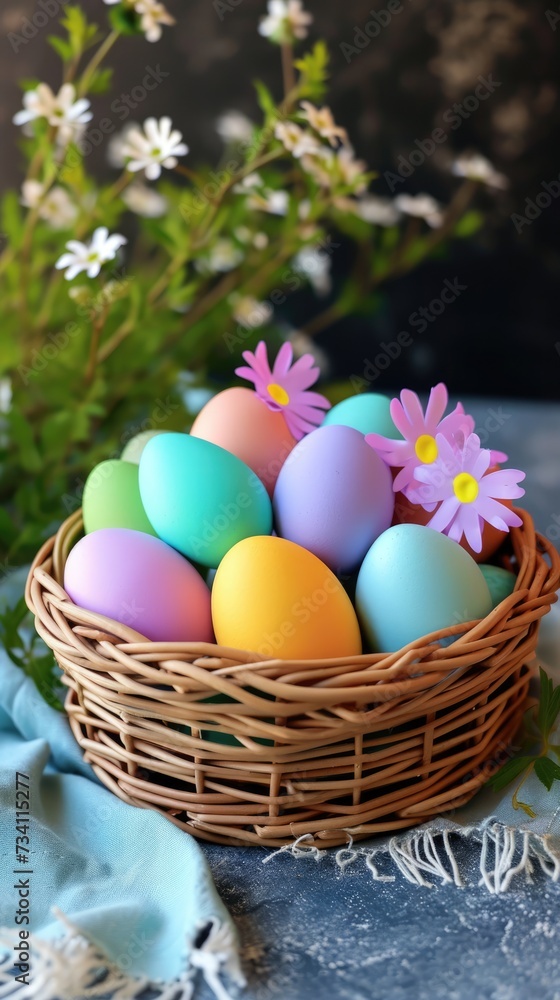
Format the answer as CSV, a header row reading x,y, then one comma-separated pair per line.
x,y
501,337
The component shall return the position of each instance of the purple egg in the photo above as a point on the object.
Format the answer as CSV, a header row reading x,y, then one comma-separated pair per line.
x,y
334,496
138,580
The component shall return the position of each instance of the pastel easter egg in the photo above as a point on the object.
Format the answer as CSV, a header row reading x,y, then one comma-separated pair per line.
x,y
138,580
275,598
367,412
501,583
334,496
132,451
111,498
200,498
240,422
414,581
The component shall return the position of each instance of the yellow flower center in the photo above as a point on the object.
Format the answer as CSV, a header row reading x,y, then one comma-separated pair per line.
x,y
426,449
465,487
278,394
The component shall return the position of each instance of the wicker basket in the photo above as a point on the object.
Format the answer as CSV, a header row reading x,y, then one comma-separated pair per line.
x,y
241,750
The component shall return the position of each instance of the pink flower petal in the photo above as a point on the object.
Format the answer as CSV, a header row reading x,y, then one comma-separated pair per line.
x,y
400,419
283,360
444,514
503,484
437,404
413,409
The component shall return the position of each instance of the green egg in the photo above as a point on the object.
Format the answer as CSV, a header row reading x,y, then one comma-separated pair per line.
x,y
132,451
112,498
367,413
501,582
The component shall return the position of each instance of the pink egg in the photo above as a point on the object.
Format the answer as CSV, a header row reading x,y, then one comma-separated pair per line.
x,y
240,422
138,580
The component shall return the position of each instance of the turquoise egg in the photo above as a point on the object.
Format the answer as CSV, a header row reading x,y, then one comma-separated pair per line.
x,y
501,582
414,580
367,413
200,498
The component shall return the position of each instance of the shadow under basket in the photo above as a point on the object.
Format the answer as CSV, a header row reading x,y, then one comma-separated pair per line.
x,y
240,750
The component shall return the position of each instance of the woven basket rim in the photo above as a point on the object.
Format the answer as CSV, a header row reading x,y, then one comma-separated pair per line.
x,y
92,625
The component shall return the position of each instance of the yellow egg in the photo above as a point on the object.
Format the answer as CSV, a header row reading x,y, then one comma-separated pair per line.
x,y
277,599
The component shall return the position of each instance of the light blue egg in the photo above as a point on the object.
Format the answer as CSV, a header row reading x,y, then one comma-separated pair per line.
x,y
367,413
202,499
501,582
132,451
414,581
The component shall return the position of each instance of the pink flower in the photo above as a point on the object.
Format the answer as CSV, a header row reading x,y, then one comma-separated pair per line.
x,y
285,388
419,431
467,493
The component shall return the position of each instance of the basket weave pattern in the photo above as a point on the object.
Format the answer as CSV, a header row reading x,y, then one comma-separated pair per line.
x,y
241,750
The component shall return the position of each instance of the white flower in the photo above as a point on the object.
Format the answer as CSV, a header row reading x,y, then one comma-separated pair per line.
x,y
152,16
250,313
248,183
295,140
90,257
315,265
5,395
273,202
56,207
234,126
223,256
117,143
157,146
322,121
420,206
61,110
286,21
349,169
477,168
332,169
144,201
378,211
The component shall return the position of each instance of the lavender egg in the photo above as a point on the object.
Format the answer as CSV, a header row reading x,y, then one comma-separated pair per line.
x,y
334,496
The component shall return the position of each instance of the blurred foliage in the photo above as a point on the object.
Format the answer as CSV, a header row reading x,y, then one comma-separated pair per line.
x,y
86,364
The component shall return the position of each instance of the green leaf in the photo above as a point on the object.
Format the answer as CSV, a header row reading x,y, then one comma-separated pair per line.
x,y
81,34
267,104
125,20
469,224
101,81
547,771
549,705
313,70
63,49
29,456
509,772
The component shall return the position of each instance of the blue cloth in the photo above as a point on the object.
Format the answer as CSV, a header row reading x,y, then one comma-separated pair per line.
x,y
135,884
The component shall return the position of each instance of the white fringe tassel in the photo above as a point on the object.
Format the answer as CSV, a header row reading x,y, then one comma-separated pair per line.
x,y
72,967
504,853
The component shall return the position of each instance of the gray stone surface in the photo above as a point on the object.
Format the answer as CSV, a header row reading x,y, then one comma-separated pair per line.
x,y
310,931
